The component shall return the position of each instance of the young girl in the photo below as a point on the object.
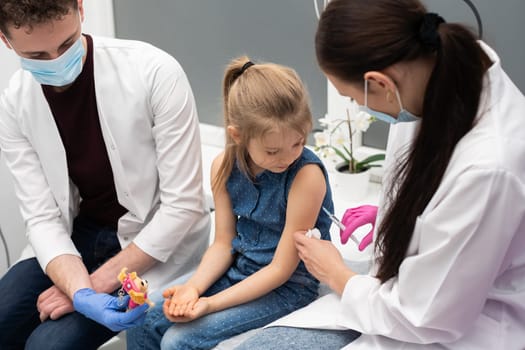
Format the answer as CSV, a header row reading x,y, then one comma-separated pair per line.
x,y
266,186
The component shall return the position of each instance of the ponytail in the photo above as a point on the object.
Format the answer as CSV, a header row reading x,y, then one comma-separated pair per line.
x,y
449,108
231,150
449,111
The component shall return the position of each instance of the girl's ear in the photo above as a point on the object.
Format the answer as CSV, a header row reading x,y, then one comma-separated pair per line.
x,y
234,133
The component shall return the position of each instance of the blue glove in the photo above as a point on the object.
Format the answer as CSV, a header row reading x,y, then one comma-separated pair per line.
x,y
108,310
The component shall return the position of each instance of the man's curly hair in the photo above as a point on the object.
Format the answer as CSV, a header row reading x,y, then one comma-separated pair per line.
x,y
22,13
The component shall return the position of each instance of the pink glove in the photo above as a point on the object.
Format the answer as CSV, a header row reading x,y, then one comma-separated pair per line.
x,y
355,218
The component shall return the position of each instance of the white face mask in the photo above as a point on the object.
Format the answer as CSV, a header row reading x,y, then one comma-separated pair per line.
x,y
402,117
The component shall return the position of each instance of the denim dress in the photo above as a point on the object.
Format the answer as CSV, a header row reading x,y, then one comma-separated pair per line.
x,y
260,207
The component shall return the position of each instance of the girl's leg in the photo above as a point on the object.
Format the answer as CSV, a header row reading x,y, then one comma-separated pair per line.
x,y
277,338
149,335
208,331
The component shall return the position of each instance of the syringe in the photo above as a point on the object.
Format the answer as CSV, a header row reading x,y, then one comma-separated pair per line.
x,y
339,224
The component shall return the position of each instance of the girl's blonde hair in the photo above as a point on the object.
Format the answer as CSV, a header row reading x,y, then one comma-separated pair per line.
x,y
258,99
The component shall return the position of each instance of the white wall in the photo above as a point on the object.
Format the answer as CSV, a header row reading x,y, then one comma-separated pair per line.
x,y
98,21
10,221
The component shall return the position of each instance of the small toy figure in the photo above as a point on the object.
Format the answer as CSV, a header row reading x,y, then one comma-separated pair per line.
x,y
136,287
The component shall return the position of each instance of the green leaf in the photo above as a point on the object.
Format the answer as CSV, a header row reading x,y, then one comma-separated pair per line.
x,y
348,152
340,154
371,159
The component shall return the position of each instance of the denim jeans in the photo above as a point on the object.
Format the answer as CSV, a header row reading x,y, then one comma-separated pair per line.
x,y
207,331
277,338
20,326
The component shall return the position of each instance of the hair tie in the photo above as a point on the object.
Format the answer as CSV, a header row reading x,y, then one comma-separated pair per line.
x,y
428,33
246,66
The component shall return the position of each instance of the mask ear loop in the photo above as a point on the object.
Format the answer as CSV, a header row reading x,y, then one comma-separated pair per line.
x,y
389,96
366,93
399,100
9,42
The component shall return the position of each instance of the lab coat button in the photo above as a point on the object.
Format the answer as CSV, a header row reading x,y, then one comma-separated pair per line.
x,y
126,238
126,194
112,146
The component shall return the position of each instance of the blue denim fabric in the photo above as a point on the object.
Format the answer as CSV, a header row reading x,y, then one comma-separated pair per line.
x,y
20,325
278,338
206,332
261,210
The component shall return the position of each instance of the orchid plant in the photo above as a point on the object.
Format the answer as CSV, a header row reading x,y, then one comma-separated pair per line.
x,y
336,139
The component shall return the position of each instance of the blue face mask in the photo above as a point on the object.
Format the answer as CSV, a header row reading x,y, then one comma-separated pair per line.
x,y
403,116
60,71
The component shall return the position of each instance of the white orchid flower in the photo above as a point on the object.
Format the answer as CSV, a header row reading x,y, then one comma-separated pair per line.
x,y
361,121
335,141
340,138
321,139
324,121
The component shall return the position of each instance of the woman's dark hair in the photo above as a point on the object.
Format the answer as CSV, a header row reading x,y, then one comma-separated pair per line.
x,y
20,13
357,36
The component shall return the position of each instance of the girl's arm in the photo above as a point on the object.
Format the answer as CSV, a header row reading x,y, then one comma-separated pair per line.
x,y
217,258
304,204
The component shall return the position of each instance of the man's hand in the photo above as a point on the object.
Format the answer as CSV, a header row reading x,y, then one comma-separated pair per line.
x,y
108,310
53,303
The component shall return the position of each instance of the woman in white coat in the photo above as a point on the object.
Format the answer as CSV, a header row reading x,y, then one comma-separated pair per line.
x,y
449,269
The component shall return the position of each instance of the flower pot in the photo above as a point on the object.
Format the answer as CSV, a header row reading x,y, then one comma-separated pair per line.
x,y
350,187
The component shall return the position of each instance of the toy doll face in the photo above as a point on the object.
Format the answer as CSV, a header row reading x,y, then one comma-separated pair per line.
x,y
141,284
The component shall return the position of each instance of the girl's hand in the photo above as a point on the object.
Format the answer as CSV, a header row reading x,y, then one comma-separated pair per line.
x,y
179,300
323,260
200,308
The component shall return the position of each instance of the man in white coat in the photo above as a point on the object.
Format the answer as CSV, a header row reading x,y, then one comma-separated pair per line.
x,y
101,137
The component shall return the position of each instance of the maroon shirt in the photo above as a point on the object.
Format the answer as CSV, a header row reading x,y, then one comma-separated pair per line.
x,y
76,116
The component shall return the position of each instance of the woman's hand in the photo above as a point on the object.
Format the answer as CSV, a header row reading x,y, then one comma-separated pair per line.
x,y
323,260
179,300
354,218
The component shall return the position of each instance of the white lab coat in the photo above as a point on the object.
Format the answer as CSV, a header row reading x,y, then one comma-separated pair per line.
x,y
150,127
462,284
